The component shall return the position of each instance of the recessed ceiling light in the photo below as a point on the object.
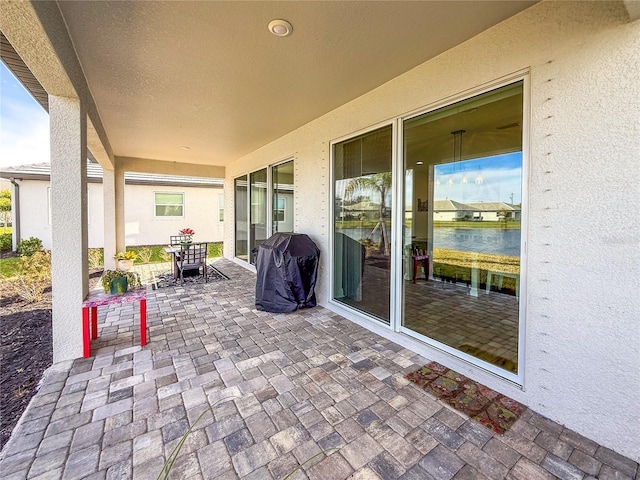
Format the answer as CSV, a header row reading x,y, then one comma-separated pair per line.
x,y
280,28
419,163
185,147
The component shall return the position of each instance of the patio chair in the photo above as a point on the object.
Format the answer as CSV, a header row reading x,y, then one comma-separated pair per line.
x,y
193,258
178,239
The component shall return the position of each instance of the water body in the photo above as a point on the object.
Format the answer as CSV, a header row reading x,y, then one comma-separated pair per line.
x,y
500,241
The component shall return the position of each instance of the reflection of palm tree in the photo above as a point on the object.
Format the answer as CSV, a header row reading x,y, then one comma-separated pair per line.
x,y
380,183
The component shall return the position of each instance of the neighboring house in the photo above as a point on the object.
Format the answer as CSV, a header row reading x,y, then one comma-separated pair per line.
x,y
156,206
544,98
450,211
362,211
490,211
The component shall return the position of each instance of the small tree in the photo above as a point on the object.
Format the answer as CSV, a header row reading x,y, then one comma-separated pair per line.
x,y
5,207
381,184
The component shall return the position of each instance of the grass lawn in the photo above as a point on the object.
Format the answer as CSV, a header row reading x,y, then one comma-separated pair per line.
x,y
8,266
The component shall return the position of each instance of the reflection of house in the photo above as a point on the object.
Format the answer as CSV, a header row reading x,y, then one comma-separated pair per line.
x,y
156,206
361,211
489,211
450,210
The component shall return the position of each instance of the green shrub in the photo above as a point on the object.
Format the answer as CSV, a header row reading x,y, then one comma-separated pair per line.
x,y
33,277
28,247
5,242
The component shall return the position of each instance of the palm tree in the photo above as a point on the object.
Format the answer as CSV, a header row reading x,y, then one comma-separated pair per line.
x,y
379,183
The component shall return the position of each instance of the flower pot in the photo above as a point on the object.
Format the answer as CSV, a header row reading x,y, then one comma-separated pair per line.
x,y
119,285
125,265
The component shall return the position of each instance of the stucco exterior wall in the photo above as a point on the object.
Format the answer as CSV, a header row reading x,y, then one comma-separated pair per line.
x,y
201,214
580,278
142,227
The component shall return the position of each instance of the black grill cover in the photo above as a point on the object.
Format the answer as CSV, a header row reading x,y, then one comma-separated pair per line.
x,y
287,266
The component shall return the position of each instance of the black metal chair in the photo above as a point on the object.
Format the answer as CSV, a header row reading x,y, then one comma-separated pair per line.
x,y
193,258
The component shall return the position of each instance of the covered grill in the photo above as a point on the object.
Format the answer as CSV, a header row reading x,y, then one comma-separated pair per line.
x,y
287,266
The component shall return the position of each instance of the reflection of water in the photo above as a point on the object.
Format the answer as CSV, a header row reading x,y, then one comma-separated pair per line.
x,y
482,240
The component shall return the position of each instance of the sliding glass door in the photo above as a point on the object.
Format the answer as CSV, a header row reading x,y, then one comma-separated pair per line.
x,y
240,208
258,212
362,223
462,226
263,205
282,206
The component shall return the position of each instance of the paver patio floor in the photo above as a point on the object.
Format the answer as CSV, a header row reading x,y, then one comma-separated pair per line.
x,y
276,390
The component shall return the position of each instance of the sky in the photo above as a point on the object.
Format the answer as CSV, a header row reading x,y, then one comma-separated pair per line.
x,y
488,179
24,124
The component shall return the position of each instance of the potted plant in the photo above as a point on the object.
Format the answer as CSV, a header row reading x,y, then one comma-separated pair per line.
x,y
188,234
124,260
119,281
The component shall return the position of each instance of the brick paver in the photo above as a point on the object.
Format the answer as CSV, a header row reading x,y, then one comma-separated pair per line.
x,y
265,394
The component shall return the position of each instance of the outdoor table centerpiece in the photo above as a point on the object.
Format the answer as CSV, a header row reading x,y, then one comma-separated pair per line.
x,y
188,234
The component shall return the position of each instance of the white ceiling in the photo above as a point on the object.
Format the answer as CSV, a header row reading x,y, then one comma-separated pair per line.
x,y
210,76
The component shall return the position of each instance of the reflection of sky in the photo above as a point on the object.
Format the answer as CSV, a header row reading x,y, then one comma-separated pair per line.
x,y
501,177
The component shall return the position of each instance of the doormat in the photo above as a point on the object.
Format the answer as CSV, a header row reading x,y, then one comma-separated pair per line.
x,y
491,409
166,279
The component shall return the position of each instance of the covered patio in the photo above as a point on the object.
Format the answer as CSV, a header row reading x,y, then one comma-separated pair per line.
x,y
205,89
277,391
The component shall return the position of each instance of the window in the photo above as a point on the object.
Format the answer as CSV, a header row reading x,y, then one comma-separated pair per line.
x,y
258,216
282,186
462,233
241,214
265,207
169,204
221,207
278,210
361,225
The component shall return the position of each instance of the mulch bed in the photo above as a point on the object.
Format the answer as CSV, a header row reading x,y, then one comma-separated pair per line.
x,y
488,407
25,352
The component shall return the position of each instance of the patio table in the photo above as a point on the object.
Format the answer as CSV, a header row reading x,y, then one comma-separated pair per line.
x,y
98,298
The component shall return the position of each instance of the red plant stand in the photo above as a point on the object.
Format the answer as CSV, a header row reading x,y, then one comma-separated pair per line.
x,y
98,298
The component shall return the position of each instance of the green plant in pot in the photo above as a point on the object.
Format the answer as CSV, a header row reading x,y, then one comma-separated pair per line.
x,y
124,260
119,281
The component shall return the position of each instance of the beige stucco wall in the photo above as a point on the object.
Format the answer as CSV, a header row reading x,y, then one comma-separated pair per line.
x,y
141,228
580,285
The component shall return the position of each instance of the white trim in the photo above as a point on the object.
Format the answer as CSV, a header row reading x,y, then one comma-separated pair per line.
x,y
397,207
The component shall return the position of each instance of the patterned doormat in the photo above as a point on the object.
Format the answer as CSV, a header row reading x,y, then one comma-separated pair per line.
x,y
491,409
166,279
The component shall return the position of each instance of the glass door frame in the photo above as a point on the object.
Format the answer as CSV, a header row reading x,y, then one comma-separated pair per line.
x,y
397,225
269,200
354,312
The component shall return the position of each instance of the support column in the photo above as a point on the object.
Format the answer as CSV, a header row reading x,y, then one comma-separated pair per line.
x,y
119,197
109,204
70,278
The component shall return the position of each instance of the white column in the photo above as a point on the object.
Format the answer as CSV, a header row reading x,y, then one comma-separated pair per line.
x,y
109,203
119,204
70,282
